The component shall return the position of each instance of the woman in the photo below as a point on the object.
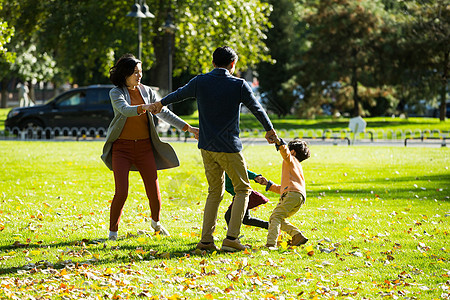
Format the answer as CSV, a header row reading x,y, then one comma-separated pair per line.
x,y
132,142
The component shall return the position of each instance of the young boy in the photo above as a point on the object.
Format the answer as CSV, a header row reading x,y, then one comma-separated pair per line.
x,y
255,199
292,190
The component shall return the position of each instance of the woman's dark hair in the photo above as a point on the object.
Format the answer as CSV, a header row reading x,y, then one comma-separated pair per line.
x,y
122,69
223,56
301,149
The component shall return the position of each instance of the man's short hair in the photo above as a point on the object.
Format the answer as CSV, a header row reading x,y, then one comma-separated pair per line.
x,y
301,149
223,56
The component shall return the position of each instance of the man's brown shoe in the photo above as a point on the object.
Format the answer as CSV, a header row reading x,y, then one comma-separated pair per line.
x,y
298,240
232,245
211,246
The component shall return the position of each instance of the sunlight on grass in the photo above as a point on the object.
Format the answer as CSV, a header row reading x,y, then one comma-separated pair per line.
x,y
375,123
377,219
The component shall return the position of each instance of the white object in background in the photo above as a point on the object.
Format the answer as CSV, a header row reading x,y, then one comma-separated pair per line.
x,y
357,125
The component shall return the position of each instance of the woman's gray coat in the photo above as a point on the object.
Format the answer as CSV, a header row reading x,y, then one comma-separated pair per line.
x,y
165,156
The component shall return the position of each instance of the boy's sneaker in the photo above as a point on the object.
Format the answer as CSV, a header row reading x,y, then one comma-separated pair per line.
x,y
211,246
298,240
232,245
159,228
113,235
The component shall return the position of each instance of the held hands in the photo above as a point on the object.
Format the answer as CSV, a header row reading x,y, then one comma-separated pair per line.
x,y
194,131
154,108
261,180
271,137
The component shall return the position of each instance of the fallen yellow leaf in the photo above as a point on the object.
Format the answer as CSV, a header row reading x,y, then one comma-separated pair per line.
x,y
309,248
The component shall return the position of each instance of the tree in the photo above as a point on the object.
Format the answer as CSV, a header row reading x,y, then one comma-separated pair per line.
x,y
285,44
83,36
29,63
86,37
6,34
202,26
33,66
6,57
426,48
344,37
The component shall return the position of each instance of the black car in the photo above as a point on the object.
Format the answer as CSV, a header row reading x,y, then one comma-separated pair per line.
x,y
85,107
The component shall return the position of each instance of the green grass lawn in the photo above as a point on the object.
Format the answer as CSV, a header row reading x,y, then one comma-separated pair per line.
x,y
3,114
377,219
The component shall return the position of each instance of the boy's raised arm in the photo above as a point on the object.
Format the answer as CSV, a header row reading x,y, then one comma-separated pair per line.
x,y
273,187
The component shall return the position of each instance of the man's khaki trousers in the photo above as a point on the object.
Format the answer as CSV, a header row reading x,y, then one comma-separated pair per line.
x,y
216,163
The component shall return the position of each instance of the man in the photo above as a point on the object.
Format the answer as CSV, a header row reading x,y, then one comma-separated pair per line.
x,y
219,96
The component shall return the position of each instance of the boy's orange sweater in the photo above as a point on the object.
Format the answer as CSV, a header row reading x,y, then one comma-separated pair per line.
x,y
292,179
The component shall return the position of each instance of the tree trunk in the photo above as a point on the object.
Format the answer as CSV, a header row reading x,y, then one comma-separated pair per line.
x,y
443,106
159,72
4,94
356,112
354,83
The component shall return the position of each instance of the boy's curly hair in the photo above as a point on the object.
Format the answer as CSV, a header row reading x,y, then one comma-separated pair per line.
x,y
301,149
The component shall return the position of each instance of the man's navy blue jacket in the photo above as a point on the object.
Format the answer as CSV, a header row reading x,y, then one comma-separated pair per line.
x,y
219,96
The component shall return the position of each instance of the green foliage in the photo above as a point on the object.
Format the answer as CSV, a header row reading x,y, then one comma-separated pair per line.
x,y
377,226
5,37
424,46
285,43
345,38
359,55
83,35
205,25
31,65
6,33
86,37
363,57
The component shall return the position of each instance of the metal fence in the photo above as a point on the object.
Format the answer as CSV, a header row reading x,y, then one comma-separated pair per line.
x,y
343,135
347,135
72,133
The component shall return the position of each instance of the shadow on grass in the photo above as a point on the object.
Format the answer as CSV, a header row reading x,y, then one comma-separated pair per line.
x,y
108,252
425,187
441,180
424,179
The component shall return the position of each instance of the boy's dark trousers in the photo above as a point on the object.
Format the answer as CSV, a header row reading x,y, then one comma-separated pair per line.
x,y
248,219
255,199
